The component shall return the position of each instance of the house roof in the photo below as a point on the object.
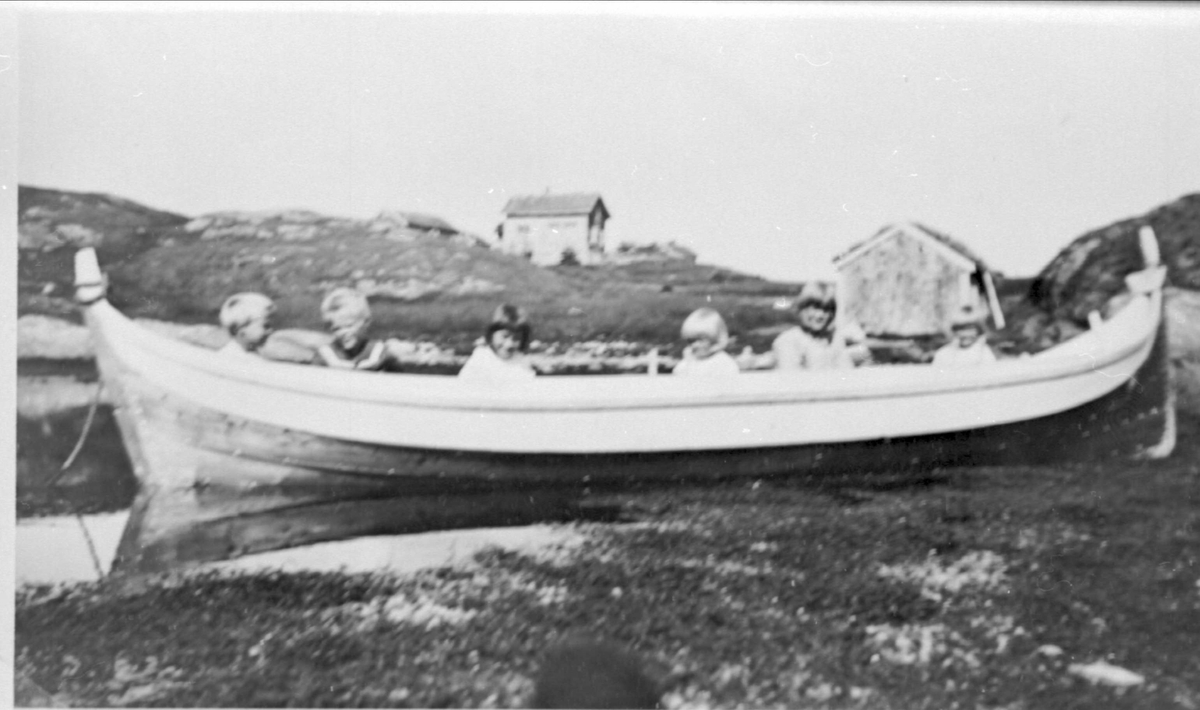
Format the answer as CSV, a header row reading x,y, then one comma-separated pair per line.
x,y
534,205
949,246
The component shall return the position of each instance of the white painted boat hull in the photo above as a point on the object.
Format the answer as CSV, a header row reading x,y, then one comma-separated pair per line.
x,y
632,413
235,456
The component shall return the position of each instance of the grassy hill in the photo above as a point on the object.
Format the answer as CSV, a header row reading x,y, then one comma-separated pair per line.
x,y
1089,271
421,285
53,223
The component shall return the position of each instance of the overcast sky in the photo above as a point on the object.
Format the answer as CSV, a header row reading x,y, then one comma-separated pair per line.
x,y
767,138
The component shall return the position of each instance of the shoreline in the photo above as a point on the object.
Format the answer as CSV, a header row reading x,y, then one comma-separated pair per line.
x,y
395,555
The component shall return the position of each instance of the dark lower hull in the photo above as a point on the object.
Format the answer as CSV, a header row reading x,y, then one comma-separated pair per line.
x,y
214,487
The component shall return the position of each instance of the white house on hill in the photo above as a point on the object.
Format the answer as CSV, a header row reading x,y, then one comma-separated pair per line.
x,y
908,280
547,229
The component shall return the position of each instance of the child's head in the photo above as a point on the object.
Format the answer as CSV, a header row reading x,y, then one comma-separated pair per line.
x,y
347,315
508,332
966,328
247,317
705,331
816,307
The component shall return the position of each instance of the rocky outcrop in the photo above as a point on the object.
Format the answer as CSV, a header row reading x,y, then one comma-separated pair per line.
x,y
307,226
1183,329
287,226
166,266
1091,270
47,235
1089,275
626,253
50,219
412,289
402,226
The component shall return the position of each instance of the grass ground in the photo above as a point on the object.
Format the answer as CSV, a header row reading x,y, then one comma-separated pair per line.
x,y
975,588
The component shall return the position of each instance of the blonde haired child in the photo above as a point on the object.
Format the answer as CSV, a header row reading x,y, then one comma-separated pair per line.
x,y
816,342
707,337
247,318
348,315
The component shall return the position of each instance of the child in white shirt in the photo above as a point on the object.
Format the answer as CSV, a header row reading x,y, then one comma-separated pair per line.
x,y
707,337
503,354
968,344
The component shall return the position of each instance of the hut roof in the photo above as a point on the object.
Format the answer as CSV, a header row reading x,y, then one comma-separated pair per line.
x,y
428,221
955,250
539,205
418,220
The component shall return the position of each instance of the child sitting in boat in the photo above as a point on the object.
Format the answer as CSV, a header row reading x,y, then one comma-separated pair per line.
x,y
502,356
348,315
968,343
247,318
707,336
816,342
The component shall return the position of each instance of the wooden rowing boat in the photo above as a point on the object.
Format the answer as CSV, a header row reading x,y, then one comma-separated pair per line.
x,y
236,457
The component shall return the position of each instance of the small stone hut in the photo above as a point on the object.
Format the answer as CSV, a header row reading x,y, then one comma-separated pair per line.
x,y
553,229
910,281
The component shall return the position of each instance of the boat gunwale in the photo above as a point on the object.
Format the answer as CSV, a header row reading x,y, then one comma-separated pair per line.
x,y
920,380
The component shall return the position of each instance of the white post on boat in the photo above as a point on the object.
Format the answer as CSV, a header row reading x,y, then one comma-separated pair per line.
x,y
839,294
652,362
993,300
1095,320
1149,244
1150,278
89,280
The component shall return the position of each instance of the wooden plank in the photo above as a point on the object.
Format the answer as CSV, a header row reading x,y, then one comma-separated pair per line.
x,y
993,300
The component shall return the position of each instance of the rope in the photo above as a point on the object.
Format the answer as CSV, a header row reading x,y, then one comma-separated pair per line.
x,y
87,427
87,536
